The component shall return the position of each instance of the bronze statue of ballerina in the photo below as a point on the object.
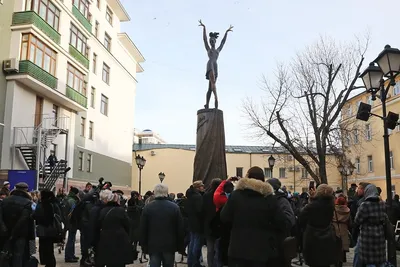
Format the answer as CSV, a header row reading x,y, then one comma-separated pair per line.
x,y
212,66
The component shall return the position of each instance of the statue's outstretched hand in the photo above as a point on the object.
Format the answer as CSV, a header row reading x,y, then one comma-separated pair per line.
x,y
230,29
201,23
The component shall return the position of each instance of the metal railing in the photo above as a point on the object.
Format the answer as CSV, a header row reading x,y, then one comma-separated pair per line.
x,y
49,122
25,136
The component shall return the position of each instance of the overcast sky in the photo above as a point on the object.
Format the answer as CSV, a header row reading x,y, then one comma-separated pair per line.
x,y
173,86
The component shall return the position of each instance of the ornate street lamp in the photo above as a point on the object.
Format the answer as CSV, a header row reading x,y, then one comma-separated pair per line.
x,y
140,162
373,77
346,169
271,162
161,175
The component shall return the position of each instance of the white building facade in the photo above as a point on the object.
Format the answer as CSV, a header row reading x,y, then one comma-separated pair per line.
x,y
68,87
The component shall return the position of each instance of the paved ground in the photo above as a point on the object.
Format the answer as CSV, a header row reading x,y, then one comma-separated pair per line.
x,y
61,263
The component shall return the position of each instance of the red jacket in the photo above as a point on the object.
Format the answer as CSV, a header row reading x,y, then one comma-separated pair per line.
x,y
220,197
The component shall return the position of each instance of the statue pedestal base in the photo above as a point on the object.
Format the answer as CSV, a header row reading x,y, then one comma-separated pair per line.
x,y
210,159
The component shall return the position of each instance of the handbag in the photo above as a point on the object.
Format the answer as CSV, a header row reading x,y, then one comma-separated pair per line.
x,y
5,255
290,248
54,230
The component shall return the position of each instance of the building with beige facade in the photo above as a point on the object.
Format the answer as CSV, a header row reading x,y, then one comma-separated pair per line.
x,y
67,87
363,141
176,161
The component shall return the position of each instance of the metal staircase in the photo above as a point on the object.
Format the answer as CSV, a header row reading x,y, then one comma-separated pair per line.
x,y
33,143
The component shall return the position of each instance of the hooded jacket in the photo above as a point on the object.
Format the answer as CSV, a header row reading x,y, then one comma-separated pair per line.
x,y
193,208
258,225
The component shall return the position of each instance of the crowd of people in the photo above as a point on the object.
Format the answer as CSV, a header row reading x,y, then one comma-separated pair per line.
x,y
243,222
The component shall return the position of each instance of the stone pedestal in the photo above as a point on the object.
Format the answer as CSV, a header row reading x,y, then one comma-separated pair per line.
x,y
210,159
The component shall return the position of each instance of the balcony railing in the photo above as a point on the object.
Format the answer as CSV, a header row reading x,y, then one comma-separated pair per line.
x,y
31,17
78,56
33,70
76,96
82,19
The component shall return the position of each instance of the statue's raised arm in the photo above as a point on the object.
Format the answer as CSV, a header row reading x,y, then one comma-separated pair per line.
x,y
206,45
224,39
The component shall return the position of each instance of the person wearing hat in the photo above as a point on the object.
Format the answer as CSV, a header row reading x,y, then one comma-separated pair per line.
x,y
6,188
17,217
71,224
352,191
194,208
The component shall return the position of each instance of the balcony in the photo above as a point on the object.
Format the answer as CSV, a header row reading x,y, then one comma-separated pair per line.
x,y
78,56
31,69
76,96
31,17
81,18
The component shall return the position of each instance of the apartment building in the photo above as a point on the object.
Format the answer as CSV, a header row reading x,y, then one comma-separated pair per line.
x,y
67,87
363,141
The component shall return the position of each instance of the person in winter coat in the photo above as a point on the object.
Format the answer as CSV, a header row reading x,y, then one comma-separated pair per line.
x,y
6,188
17,216
161,229
222,229
258,224
70,202
194,208
114,248
342,223
283,202
181,202
320,244
210,212
134,212
44,217
94,222
371,217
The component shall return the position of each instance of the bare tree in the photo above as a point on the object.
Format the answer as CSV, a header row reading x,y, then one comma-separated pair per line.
x,y
301,109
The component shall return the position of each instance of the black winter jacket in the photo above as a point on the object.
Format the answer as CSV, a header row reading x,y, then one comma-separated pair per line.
x,y
194,208
161,227
17,215
258,225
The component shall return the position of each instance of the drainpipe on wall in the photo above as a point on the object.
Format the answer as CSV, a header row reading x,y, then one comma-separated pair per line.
x,y
250,161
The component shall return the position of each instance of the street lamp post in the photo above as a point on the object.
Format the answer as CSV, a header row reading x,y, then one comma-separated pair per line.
x,y
271,163
140,162
161,175
374,80
346,169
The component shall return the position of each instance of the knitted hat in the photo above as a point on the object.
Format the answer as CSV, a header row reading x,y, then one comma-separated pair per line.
x,y
275,183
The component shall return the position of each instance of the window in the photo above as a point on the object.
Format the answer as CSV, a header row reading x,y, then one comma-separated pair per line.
x,y
83,7
347,140
98,4
398,125
357,165
267,173
54,115
34,50
91,130
46,10
89,163
370,164
239,171
80,161
106,73
53,150
282,172
96,29
92,97
304,173
368,132
107,41
79,41
370,101
76,80
109,15
83,126
391,160
355,133
104,105
94,63
349,111
396,88
358,103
